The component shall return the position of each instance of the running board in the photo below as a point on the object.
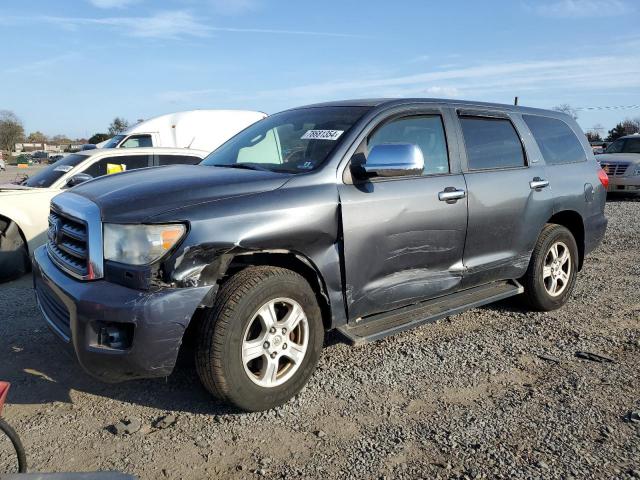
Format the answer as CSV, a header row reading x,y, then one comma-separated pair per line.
x,y
375,327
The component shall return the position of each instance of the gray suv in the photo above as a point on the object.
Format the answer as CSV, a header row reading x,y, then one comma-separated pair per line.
x,y
368,216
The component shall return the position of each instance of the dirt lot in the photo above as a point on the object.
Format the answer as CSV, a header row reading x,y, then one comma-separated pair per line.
x,y
496,392
12,172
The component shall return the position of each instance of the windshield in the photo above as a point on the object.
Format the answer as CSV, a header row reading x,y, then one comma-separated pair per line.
x,y
114,141
295,141
45,178
625,145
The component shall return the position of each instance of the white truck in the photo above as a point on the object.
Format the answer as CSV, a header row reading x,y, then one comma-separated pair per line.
x,y
197,129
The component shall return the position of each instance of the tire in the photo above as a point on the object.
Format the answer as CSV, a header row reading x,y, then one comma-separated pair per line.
x,y
235,324
539,290
17,445
14,259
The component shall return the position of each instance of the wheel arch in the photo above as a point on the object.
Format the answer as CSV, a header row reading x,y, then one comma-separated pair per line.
x,y
290,260
572,221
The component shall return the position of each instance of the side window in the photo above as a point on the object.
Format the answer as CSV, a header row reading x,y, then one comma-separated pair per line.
x,y
178,160
491,143
427,132
120,163
555,139
136,141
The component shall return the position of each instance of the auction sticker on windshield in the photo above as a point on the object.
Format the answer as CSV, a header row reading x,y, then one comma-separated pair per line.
x,y
322,135
63,168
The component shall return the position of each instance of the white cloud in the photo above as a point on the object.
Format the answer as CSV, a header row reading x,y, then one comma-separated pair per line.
x,y
581,8
167,25
111,3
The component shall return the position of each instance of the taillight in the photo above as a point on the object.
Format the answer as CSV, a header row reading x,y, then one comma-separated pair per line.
x,y
604,178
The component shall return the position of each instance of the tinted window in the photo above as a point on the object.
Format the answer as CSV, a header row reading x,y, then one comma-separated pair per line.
x,y
427,132
491,143
118,164
293,141
136,141
46,177
555,139
178,160
625,145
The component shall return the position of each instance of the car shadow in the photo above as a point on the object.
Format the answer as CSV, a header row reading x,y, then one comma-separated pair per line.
x,y
622,197
42,371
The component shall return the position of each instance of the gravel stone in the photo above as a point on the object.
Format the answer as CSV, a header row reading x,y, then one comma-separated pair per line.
x,y
470,396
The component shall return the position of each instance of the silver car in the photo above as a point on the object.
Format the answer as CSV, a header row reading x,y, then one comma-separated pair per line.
x,y
621,161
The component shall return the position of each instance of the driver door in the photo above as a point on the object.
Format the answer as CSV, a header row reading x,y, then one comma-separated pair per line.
x,y
402,244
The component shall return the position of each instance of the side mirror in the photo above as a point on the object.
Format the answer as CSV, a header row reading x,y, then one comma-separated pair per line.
x,y
392,160
78,179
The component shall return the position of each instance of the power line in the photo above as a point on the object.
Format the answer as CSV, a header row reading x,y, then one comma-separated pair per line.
x,y
611,107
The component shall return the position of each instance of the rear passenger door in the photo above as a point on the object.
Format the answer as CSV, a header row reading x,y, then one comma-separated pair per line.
x,y
509,198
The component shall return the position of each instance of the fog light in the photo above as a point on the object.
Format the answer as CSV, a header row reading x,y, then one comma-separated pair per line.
x,y
115,336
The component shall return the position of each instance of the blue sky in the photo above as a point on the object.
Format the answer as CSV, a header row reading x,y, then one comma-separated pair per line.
x,y
71,66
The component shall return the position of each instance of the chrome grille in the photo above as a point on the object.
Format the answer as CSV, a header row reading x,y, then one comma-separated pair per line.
x,y
67,243
615,169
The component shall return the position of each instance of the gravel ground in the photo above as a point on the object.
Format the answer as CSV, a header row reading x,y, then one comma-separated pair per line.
x,y
496,392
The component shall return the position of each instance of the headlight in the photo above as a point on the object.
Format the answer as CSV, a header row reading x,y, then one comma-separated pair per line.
x,y
636,172
140,244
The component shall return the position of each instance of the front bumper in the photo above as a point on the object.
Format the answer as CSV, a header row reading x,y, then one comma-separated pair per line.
x,y
629,184
75,311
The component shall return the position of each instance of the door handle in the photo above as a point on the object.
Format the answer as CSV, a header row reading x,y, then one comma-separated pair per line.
x,y
538,183
451,194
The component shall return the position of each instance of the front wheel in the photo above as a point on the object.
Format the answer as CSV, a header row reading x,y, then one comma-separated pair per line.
x,y
551,275
14,259
262,339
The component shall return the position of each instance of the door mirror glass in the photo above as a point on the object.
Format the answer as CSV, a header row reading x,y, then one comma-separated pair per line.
x,y
391,160
78,179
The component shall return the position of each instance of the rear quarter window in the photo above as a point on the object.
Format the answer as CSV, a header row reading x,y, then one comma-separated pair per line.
x,y
556,141
178,160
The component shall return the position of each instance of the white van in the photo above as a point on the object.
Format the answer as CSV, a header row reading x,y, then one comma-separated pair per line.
x,y
197,129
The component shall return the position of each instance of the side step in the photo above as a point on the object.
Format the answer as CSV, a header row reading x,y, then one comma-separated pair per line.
x,y
375,327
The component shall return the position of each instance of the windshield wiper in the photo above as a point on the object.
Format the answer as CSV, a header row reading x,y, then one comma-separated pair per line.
x,y
246,166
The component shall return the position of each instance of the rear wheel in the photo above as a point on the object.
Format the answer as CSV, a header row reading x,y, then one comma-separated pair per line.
x,y
14,259
552,270
262,340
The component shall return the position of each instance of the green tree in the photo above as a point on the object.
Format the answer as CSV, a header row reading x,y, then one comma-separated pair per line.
x,y
98,137
626,127
118,125
593,136
60,140
11,130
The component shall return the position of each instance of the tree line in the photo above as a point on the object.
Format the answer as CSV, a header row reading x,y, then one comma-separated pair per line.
x,y
12,132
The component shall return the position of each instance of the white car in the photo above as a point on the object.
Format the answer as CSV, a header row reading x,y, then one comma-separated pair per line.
x,y
199,129
24,208
621,161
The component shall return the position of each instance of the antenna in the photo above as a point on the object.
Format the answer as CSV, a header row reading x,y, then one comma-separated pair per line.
x,y
515,101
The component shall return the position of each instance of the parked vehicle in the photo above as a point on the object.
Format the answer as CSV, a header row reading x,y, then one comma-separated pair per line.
x,y
3,165
199,129
367,216
621,161
24,207
24,159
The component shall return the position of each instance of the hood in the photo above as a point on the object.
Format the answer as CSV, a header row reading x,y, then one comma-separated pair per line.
x,y
11,189
618,157
135,196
